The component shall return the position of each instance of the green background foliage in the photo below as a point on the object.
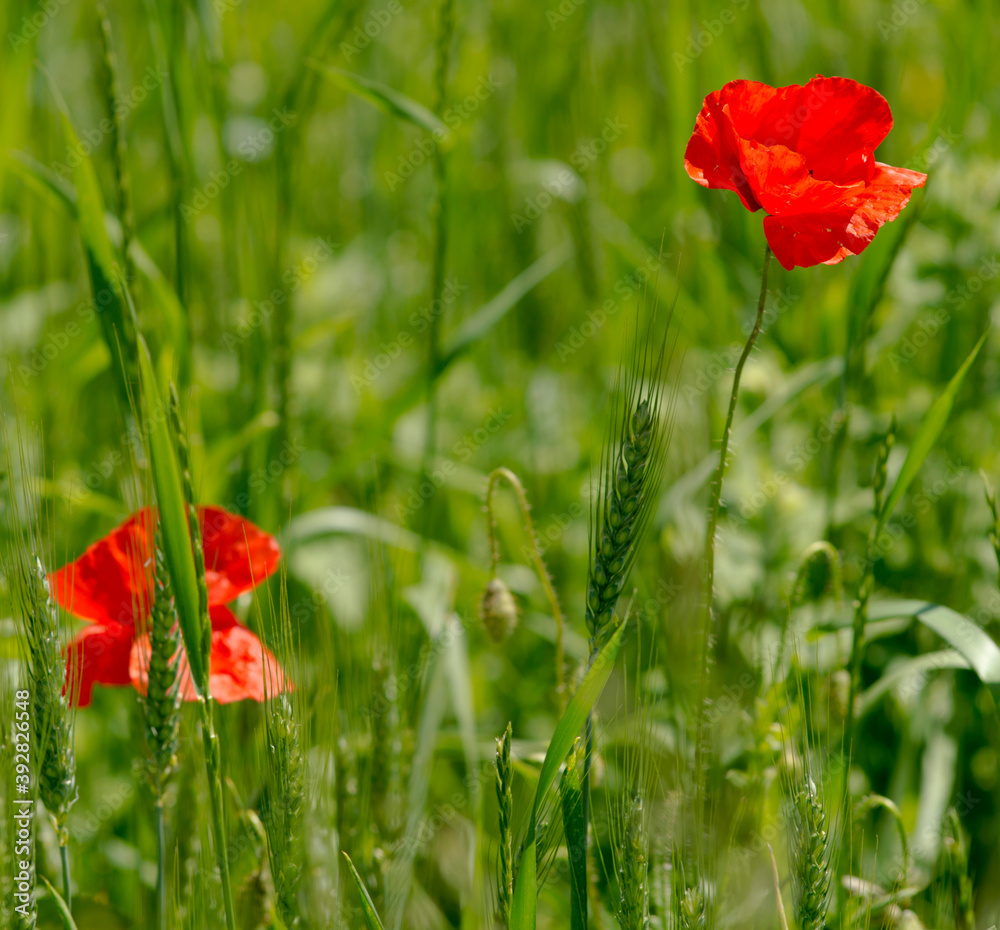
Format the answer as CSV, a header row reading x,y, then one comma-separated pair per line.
x,y
290,212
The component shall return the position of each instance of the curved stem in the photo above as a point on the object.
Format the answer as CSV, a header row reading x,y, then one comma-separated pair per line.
x,y
67,892
536,557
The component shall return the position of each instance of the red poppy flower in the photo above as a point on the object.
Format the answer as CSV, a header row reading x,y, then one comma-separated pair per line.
x,y
805,154
109,586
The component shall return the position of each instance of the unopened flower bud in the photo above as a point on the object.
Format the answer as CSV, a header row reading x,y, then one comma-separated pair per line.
x,y
498,610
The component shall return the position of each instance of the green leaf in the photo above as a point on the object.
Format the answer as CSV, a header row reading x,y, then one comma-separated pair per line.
x,y
523,910
906,669
385,98
173,518
67,917
927,435
575,828
367,905
102,257
44,181
89,203
961,633
349,521
486,317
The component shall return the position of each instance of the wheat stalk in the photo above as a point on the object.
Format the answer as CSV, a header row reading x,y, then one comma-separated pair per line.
x,y
51,686
575,828
213,750
628,486
811,854
53,719
505,806
285,806
692,908
867,583
631,854
161,703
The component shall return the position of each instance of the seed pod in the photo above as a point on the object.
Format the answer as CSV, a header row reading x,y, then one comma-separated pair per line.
x,y
498,610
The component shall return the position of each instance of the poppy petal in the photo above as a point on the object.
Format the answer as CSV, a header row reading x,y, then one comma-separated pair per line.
x,y
108,583
238,555
783,182
712,157
238,663
888,192
98,654
828,235
807,239
836,124
138,669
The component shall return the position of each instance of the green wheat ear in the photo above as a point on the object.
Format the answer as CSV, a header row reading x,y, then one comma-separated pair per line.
x,y
633,867
505,806
632,466
53,719
691,909
284,802
957,853
811,854
161,704
284,807
39,631
38,627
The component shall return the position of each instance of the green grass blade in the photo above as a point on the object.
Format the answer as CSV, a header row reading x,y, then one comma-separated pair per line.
x,y
962,634
523,910
367,905
173,516
384,98
102,257
478,325
907,669
44,181
67,917
89,202
927,435
41,178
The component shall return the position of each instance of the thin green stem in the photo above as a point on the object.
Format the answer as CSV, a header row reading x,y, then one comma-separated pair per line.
x,y
161,866
507,475
67,892
213,764
867,583
865,587
713,514
720,471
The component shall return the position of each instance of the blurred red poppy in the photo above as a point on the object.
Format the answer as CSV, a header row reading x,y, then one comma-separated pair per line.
x,y
109,586
805,154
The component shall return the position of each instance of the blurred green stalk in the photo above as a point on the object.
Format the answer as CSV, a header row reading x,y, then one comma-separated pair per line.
x,y
446,27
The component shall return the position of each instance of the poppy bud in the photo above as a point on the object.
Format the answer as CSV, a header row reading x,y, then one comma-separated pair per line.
x,y
820,574
840,694
498,610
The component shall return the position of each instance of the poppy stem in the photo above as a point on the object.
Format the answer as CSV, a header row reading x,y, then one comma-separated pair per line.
x,y
713,514
535,554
